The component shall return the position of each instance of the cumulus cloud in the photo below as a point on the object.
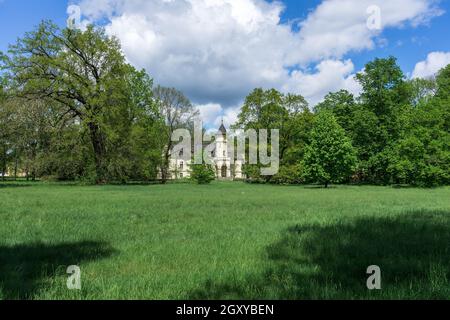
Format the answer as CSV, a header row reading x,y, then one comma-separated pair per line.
x,y
433,64
229,116
337,27
330,75
217,51
212,114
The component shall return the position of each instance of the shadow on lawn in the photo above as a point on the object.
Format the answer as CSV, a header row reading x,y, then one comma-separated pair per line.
x,y
25,268
330,262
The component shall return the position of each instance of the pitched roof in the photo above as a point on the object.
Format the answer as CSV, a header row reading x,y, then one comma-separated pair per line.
x,y
222,129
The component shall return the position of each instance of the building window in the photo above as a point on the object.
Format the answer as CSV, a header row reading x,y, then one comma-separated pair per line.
x,y
181,175
224,171
224,153
181,165
181,153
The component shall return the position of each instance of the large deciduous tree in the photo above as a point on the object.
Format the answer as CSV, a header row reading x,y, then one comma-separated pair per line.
x,y
382,118
177,112
330,157
289,113
84,72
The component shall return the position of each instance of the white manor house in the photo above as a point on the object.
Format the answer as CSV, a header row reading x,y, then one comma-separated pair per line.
x,y
225,169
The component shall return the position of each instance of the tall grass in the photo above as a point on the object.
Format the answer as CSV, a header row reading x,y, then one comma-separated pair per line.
x,y
225,240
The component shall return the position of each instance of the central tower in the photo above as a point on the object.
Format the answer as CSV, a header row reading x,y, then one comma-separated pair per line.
x,y
223,162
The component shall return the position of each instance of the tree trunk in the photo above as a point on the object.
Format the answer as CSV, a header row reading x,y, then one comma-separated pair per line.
x,y
4,164
163,174
166,164
99,152
164,170
33,161
16,164
326,185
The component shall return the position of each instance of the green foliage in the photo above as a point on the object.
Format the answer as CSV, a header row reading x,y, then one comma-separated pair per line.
x,y
399,128
422,157
252,172
343,106
330,157
443,83
176,112
71,108
202,173
383,87
292,174
93,98
422,91
270,109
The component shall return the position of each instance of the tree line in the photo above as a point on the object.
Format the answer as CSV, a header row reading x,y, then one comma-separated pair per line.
x,y
72,108
397,131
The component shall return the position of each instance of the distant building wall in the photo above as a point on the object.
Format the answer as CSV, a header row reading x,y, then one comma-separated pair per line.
x,y
225,170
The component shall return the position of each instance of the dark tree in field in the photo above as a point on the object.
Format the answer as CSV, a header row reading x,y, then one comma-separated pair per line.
x,y
330,157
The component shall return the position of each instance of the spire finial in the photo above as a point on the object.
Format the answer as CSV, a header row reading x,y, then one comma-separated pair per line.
x,y
222,128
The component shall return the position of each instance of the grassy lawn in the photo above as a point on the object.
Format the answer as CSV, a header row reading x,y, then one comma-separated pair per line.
x,y
225,240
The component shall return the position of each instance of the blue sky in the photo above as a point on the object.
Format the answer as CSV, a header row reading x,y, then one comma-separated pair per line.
x,y
20,16
219,85
409,45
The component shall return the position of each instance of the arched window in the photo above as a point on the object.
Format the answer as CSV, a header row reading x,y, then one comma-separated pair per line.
x,y
181,165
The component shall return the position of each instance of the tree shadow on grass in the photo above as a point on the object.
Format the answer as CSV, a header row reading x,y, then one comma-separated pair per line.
x,y
25,268
330,262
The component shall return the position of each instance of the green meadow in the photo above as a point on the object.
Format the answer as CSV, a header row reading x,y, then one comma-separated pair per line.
x,y
223,241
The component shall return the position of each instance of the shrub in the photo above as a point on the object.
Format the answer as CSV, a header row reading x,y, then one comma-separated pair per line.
x,y
202,173
289,175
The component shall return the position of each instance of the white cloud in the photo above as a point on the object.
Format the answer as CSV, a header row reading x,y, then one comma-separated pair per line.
x,y
433,64
229,116
212,114
330,75
217,51
337,27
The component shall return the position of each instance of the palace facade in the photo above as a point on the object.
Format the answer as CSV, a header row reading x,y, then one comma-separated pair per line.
x,y
225,168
